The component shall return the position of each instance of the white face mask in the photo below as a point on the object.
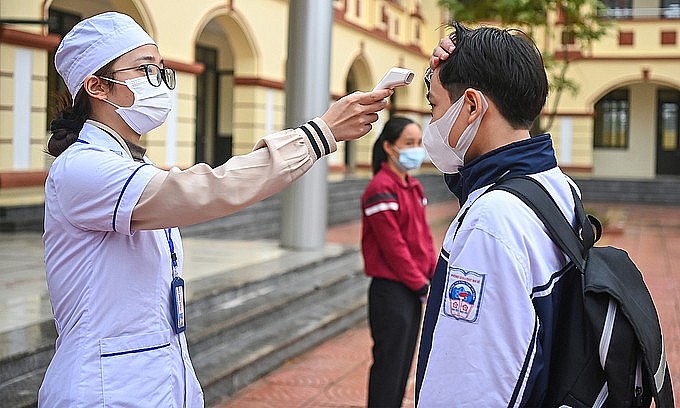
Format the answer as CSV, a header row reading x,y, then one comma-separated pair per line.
x,y
151,106
436,138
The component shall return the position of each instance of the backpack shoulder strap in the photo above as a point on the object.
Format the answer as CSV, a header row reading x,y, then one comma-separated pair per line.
x,y
536,197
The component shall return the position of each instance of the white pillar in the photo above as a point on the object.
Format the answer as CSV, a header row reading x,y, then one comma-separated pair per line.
x,y
305,203
171,132
23,70
566,140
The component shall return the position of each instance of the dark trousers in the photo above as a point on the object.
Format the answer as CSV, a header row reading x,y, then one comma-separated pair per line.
x,y
394,313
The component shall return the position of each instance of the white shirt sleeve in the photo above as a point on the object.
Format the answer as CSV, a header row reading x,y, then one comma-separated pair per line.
x,y
97,189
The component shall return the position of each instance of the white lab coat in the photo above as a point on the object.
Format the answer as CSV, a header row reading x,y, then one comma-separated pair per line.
x,y
110,287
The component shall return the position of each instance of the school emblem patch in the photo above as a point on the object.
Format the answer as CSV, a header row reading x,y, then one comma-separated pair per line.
x,y
463,294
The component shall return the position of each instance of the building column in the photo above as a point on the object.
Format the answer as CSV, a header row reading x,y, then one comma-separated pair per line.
x,y
304,210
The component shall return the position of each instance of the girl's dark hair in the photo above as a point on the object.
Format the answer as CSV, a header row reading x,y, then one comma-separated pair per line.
x,y
69,117
391,133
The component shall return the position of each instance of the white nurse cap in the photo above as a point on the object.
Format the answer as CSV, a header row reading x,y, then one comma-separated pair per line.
x,y
93,43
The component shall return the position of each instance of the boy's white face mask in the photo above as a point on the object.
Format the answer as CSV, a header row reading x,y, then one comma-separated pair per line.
x,y
436,137
151,106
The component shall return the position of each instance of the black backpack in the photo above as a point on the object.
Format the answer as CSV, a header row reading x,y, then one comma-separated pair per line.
x,y
605,312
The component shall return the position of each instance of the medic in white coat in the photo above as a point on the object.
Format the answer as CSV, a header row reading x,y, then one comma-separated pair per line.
x,y
113,253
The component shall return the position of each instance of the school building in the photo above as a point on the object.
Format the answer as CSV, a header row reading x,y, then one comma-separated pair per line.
x,y
230,56
623,122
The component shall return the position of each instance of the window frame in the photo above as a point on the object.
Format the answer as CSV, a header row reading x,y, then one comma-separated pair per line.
x,y
612,112
60,22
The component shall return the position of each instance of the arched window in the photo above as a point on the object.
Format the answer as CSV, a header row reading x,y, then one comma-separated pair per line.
x,y
669,119
612,114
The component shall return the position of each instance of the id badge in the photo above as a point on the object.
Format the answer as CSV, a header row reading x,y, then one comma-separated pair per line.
x,y
177,288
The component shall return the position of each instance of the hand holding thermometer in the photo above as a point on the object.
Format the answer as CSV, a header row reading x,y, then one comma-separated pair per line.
x,y
395,77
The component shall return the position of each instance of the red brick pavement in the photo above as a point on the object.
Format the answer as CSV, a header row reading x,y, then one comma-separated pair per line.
x,y
335,374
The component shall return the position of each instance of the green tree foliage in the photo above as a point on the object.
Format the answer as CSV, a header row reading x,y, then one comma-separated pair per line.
x,y
579,23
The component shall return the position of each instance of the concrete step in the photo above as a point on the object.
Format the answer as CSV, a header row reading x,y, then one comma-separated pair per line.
x,y
24,359
238,306
285,333
658,191
262,220
238,330
247,332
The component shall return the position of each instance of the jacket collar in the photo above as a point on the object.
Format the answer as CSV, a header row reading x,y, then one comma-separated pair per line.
x,y
524,157
403,183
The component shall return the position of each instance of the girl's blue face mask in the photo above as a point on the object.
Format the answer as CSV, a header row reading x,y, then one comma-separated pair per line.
x,y
411,158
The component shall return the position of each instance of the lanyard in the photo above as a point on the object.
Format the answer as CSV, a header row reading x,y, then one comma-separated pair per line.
x,y
173,255
176,288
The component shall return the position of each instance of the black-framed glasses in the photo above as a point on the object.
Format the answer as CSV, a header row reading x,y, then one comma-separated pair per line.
x,y
154,74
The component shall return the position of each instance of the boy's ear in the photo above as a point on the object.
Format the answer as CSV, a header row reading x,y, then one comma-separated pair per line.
x,y
96,87
473,98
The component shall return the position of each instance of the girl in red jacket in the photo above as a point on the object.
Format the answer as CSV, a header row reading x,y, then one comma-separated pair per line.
x,y
398,255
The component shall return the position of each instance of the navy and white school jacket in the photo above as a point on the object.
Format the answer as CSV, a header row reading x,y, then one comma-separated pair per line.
x,y
488,324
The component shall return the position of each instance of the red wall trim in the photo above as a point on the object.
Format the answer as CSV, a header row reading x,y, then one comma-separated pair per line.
x,y
48,42
254,81
379,34
9,179
576,169
195,68
571,55
633,58
617,58
337,168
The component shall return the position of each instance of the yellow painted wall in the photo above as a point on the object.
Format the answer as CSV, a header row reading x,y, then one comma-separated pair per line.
x,y
257,35
253,36
38,102
250,115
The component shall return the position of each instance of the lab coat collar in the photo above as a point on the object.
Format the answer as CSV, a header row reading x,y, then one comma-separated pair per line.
x,y
131,150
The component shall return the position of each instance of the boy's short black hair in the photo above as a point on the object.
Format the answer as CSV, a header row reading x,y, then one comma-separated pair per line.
x,y
504,65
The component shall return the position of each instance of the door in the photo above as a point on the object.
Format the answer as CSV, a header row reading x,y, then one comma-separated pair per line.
x,y
59,23
206,106
668,132
222,147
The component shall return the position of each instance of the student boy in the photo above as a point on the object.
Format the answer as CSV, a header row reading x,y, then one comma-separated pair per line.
x,y
488,324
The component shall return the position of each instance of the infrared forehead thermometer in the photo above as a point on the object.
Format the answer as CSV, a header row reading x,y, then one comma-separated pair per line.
x,y
395,77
